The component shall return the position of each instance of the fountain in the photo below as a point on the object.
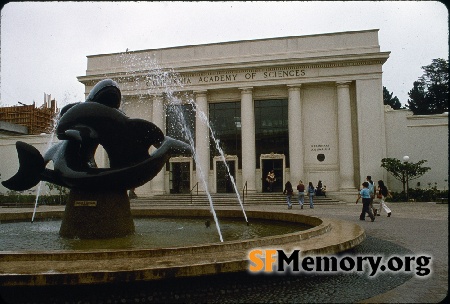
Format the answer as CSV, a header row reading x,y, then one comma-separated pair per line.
x,y
98,205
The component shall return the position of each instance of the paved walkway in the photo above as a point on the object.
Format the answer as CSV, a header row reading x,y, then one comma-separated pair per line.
x,y
419,227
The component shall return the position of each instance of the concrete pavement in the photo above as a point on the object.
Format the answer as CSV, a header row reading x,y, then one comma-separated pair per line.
x,y
418,226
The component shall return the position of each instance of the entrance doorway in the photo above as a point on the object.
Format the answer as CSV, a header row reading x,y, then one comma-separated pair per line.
x,y
180,177
223,180
277,165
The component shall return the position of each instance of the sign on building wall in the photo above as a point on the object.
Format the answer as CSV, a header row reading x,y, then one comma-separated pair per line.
x,y
168,78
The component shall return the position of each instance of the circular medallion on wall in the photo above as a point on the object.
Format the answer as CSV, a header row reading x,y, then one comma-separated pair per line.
x,y
321,157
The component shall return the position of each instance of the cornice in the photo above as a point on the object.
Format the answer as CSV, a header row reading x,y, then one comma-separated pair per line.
x,y
121,77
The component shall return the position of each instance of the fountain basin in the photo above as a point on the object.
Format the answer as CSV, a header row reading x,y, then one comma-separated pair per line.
x,y
75,267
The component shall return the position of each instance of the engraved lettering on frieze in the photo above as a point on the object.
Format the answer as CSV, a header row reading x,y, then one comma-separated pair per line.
x,y
166,79
171,78
217,78
320,148
285,73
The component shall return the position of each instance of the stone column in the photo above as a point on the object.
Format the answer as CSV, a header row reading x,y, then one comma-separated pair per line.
x,y
295,134
159,119
248,139
346,167
202,139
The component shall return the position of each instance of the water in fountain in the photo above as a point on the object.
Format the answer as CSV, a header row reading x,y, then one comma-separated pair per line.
x,y
151,232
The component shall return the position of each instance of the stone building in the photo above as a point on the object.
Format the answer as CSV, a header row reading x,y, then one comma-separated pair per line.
x,y
308,107
299,105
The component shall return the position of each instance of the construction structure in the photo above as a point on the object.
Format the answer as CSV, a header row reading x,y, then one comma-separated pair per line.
x,y
37,119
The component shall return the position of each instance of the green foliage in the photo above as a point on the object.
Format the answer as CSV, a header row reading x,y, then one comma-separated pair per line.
x,y
404,171
389,100
17,198
429,94
63,192
419,195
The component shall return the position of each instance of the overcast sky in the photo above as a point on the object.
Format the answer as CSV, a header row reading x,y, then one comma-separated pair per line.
x,y
44,44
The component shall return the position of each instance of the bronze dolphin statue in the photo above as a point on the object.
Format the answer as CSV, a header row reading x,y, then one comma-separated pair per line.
x,y
84,126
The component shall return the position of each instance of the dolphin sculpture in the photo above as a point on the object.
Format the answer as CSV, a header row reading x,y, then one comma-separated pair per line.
x,y
82,127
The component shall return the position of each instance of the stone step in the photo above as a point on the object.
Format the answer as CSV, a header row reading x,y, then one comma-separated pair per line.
x,y
224,199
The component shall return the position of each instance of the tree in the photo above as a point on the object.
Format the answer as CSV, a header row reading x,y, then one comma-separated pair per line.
x,y
404,171
417,104
429,94
389,100
62,190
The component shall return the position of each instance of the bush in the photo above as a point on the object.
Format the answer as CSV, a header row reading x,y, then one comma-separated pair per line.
x,y
16,197
419,195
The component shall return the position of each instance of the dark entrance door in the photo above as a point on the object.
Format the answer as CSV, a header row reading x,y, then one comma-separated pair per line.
x,y
180,177
277,166
224,183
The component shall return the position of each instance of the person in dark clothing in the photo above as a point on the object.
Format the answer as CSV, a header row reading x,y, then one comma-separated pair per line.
x,y
301,193
365,195
270,180
288,190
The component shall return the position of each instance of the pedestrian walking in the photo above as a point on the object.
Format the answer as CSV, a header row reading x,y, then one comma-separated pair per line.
x,y
288,190
372,193
301,193
382,193
311,193
365,195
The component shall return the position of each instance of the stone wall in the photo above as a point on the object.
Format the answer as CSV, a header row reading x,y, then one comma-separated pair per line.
x,y
419,137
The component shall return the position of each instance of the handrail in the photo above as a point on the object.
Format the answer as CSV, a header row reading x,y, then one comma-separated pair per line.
x,y
196,185
244,192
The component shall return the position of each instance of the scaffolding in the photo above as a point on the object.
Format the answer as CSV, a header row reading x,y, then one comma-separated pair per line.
x,y
37,119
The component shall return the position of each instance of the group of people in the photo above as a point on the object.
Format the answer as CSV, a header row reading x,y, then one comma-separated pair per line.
x,y
302,191
368,194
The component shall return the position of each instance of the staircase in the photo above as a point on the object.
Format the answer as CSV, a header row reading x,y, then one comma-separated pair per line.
x,y
224,199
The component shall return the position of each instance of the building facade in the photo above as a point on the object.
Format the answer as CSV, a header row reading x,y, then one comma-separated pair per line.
x,y
308,107
303,106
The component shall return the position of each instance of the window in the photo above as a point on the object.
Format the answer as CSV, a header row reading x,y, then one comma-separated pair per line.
x,y
225,120
271,128
180,124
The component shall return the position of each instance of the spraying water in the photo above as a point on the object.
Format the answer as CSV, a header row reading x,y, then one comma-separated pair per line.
x,y
36,201
169,81
205,120
188,135
49,143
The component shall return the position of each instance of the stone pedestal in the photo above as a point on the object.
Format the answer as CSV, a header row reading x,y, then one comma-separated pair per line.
x,y
97,215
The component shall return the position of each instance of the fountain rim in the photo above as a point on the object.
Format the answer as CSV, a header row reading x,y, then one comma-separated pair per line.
x,y
54,268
